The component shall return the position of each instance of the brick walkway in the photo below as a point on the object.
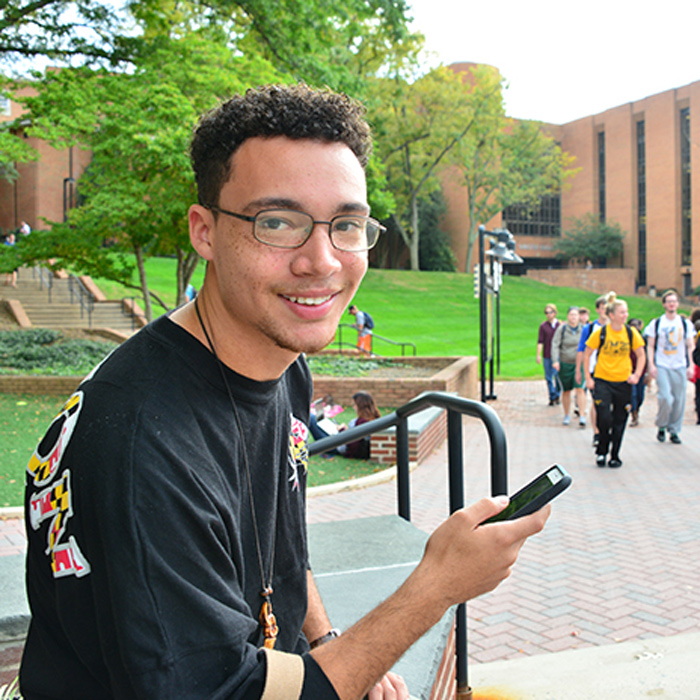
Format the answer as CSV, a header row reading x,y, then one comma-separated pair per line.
x,y
619,557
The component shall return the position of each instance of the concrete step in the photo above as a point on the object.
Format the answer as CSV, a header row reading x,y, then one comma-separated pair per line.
x,y
60,309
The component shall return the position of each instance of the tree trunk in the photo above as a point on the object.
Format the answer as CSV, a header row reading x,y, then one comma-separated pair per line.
x,y
138,251
415,236
186,265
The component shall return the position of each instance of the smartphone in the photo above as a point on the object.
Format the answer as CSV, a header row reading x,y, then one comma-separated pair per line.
x,y
533,496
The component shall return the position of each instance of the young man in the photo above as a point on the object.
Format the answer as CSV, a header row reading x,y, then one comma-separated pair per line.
x,y
669,352
544,352
364,334
165,506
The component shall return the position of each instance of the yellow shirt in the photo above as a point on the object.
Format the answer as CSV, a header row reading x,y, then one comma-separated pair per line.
x,y
614,361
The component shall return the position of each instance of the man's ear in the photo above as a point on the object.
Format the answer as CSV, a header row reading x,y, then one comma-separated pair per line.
x,y
201,221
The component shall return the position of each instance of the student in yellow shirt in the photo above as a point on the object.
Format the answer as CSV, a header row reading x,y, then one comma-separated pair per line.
x,y
611,383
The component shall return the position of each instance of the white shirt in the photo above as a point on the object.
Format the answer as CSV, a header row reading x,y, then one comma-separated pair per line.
x,y
670,351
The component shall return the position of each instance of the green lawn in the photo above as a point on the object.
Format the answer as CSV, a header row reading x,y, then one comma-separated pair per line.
x,y
435,310
23,422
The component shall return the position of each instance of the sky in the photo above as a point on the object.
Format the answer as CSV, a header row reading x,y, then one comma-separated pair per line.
x,y
565,60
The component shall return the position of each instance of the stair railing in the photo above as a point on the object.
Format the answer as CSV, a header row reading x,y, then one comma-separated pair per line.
x,y
456,408
80,294
341,344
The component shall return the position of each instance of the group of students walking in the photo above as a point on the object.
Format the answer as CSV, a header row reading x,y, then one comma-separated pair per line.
x,y
614,357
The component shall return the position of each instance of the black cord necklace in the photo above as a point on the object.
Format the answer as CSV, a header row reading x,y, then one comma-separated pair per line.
x,y
267,618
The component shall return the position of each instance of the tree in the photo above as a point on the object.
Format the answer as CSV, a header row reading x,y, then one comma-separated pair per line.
x,y
417,125
184,58
589,238
435,251
502,161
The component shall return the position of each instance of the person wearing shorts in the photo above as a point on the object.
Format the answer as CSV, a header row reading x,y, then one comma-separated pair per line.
x,y
564,350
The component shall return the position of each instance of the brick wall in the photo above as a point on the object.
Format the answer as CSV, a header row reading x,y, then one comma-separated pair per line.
x,y
599,281
38,385
453,374
445,685
10,656
421,442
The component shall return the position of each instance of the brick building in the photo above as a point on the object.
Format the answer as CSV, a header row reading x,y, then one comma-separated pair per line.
x,y
640,167
45,188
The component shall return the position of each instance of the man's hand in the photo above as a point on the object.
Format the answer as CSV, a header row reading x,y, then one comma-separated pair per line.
x,y
391,687
463,560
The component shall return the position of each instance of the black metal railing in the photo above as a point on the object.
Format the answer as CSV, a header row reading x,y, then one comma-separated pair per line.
x,y
129,310
347,344
456,408
45,279
79,294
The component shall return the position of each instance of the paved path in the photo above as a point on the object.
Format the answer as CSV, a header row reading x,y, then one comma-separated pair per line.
x,y
618,560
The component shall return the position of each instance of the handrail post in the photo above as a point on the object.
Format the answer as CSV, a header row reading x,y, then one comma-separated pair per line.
x,y
456,495
403,485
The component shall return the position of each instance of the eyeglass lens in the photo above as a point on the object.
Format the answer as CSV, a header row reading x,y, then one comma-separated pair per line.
x,y
291,229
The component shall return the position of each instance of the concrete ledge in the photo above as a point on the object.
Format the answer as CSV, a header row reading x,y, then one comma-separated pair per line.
x,y
94,291
357,564
16,310
14,609
665,667
452,374
427,430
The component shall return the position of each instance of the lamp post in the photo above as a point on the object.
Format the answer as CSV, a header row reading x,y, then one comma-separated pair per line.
x,y
502,251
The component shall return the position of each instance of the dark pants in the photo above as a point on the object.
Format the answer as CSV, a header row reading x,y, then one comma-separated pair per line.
x,y
697,398
612,406
638,391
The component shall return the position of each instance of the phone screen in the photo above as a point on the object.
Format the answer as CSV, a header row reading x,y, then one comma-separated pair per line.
x,y
541,485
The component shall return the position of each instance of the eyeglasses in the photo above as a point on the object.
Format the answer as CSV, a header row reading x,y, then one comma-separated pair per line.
x,y
549,311
289,228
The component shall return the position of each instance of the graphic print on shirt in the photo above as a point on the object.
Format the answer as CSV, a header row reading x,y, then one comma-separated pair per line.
x,y
54,502
617,347
670,339
298,451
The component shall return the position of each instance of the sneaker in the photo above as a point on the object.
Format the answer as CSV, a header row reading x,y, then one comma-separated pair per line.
x,y
674,438
661,435
596,439
576,411
600,460
582,421
567,420
614,463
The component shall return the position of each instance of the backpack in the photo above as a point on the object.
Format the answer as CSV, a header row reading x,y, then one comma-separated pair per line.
x,y
369,321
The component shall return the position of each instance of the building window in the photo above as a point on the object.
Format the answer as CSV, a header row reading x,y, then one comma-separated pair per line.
x,y
641,205
544,220
686,213
601,175
5,106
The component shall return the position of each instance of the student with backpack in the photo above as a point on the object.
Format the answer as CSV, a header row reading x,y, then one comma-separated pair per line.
x,y
612,379
669,351
564,351
364,324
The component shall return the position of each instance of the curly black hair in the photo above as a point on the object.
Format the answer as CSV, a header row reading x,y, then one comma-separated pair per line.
x,y
294,111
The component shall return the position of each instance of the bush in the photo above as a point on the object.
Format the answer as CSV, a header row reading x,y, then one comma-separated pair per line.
x,y
46,351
